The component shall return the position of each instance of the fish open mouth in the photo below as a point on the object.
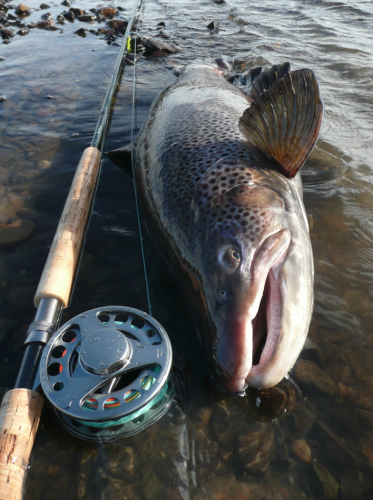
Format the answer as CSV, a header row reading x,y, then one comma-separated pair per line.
x,y
267,323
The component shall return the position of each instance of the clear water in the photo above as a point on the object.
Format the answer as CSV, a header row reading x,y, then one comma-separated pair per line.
x,y
207,446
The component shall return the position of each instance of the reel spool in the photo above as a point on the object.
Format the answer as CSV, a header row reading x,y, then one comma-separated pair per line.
x,y
107,373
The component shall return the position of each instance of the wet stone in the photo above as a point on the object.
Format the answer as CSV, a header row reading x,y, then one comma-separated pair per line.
x,y
117,25
330,485
45,6
87,18
108,12
309,374
23,32
213,25
2,98
81,32
46,16
154,44
22,10
302,450
69,15
76,12
255,447
45,24
66,3
6,33
16,232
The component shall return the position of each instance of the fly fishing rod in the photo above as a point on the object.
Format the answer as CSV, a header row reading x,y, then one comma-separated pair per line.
x,y
106,371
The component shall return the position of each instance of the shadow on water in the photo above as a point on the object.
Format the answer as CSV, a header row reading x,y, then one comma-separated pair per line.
x,y
311,436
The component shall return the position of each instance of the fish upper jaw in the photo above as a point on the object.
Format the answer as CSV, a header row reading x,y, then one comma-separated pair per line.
x,y
257,315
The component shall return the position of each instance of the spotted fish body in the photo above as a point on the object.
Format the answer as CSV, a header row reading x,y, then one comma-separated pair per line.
x,y
219,182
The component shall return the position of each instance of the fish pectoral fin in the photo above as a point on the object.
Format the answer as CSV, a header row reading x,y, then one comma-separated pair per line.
x,y
122,158
266,79
285,121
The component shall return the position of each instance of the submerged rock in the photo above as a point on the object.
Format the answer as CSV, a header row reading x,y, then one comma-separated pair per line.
x,y
213,25
302,450
229,489
330,485
45,6
117,25
16,232
255,447
308,373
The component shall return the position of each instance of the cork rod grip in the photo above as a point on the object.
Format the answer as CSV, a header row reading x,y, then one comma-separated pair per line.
x,y
20,412
58,274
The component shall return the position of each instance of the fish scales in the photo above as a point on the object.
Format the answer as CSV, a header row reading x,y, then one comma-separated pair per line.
x,y
217,174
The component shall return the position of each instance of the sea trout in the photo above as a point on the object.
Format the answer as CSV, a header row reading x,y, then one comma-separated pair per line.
x,y
217,171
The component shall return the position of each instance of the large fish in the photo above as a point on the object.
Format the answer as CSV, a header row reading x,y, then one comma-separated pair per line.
x,y
217,172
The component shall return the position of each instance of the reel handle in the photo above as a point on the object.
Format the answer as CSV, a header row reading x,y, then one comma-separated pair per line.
x,y
20,412
59,270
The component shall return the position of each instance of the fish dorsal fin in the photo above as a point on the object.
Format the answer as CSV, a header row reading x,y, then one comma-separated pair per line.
x,y
266,79
284,122
222,176
246,80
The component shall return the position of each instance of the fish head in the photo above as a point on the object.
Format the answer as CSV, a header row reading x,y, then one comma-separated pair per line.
x,y
256,273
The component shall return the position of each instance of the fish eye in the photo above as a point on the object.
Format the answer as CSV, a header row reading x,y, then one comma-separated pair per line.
x,y
233,257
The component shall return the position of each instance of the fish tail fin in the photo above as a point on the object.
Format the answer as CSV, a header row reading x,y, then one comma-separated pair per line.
x,y
284,121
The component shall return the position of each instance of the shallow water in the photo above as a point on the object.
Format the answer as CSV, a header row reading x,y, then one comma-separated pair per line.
x,y
308,443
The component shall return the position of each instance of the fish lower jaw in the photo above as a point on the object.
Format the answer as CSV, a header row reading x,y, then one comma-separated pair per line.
x,y
266,328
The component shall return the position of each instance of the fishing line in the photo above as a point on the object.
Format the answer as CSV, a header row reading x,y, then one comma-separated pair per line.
x,y
133,129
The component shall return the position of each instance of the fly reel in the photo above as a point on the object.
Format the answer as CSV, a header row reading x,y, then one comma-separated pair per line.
x,y
107,373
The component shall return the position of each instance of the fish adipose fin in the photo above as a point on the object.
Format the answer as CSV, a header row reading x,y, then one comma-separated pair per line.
x,y
285,121
266,79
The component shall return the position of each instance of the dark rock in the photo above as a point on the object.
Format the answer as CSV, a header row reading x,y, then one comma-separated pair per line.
x,y
68,15
11,17
76,12
22,10
255,447
45,24
23,31
2,98
153,44
45,6
108,12
213,25
66,3
119,26
219,1
46,16
6,33
81,32
162,24
87,18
